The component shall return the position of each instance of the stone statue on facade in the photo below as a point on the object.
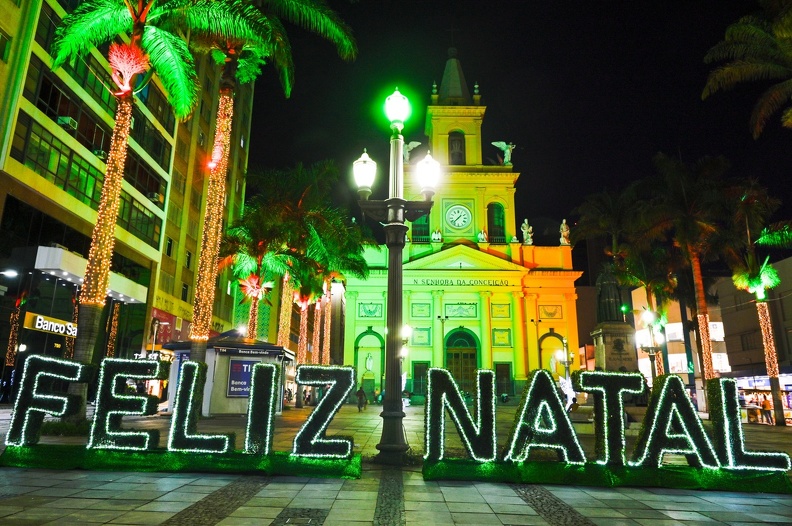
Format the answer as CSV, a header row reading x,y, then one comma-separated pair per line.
x,y
482,236
564,231
408,147
506,149
527,232
436,236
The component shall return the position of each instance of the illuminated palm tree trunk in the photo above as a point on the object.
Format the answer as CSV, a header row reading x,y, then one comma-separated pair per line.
x,y
284,322
302,348
212,230
702,316
326,342
317,332
97,274
252,328
771,360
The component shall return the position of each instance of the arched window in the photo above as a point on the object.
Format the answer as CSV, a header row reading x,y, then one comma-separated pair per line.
x,y
420,229
496,223
456,148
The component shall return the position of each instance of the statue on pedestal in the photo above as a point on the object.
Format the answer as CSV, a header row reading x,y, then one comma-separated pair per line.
x,y
564,231
527,232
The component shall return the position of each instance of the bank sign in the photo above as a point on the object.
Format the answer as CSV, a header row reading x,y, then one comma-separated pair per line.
x,y
239,377
38,322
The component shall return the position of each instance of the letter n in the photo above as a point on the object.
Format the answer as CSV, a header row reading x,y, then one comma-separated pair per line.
x,y
184,434
479,436
37,396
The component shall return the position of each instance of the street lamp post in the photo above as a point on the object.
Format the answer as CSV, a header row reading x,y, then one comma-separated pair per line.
x,y
652,349
393,212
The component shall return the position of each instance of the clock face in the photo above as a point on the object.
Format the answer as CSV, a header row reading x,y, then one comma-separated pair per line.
x,y
458,216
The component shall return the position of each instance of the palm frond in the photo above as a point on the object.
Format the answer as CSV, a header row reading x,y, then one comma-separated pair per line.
x,y
281,54
172,62
317,17
777,235
235,20
93,23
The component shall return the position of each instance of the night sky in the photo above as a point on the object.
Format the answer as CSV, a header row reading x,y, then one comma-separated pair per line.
x,y
588,90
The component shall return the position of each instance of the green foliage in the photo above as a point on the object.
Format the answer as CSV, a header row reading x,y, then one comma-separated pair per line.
x,y
171,59
66,429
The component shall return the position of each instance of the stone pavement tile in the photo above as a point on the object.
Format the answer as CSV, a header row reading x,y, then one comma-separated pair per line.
x,y
347,523
429,517
513,509
56,492
468,507
187,488
69,502
9,510
494,489
96,494
769,517
139,495
354,504
142,517
625,503
278,486
613,522
584,502
745,523
217,482
463,496
357,495
599,512
416,505
80,484
519,520
641,513
125,505
244,521
475,518
659,522
38,515
93,515
270,502
164,506
650,495
350,515
180,496
501,499
114,486
685,506
316,504
256,511
687,516
421,496
27,502
310,493
40,482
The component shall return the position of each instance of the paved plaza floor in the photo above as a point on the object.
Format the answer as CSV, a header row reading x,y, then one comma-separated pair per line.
x,y
382,496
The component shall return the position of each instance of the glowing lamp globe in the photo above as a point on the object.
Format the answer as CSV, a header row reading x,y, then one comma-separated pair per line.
x,y
648,317
397,109
364,170
428,175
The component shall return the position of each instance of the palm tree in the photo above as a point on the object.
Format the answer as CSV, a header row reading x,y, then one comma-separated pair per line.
x,y
609,214
241,54
153,48
691,212
751,207
758,47
257,246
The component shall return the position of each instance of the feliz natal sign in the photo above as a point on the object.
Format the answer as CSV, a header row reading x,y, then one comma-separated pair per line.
x,y
671,426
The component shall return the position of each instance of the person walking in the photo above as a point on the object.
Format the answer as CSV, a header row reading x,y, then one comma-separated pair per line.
x,y
767,410
361,399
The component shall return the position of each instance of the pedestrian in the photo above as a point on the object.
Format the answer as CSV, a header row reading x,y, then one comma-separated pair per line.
x,y
767,410
361,399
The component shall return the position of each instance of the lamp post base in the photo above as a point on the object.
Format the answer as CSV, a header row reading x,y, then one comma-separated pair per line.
x,y
392,447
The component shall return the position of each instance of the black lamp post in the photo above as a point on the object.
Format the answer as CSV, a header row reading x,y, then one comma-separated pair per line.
x,y
393,212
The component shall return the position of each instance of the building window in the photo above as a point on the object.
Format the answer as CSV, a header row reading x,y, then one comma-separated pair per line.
x,y
174,214
185,292
206,110
169,247
496,223
5,45
420,230
195,198
181,149
456,148
179,182
201,139
188,259
420,370
751,341
166,282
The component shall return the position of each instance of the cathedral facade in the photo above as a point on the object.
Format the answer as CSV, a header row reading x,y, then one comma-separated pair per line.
x,y
478,294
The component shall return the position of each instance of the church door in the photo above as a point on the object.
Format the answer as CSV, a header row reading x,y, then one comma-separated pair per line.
x,y
462,360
